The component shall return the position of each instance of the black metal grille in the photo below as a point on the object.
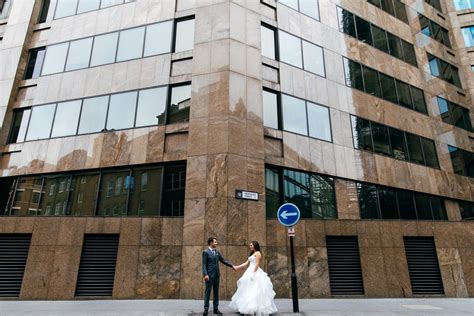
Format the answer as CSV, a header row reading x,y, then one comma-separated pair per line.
x,y
97,268
345,274
13,254
423,266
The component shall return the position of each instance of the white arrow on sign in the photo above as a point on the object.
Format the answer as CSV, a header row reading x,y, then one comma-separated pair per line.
x,y
285,214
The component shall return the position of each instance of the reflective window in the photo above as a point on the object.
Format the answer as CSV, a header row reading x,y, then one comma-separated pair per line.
x,y
144,202
173,191
388,203
268,42
395,45
44,11
66,118
121,110
468,35
161,31
371,82
389,90
294,115
463,4
406,204
423,206
79,54
87,5
313,58
270,109
409,54
418,99
435,4
184,39
363,30
346,22
361,133
55,59
290,3
434,30
93,114
368,201
318,121
40,122
466,208
35,61
109,3
404,95
179,105
310,8
272,191
398,144
454,114
462,160
130,44
353,74
20,123
290,49
429,152
151,107
65,8
392,7
414,148
114,203
104,49
381,139
443,70
380,39
438,208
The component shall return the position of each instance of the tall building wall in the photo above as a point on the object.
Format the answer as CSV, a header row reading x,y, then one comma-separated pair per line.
x,y
152,143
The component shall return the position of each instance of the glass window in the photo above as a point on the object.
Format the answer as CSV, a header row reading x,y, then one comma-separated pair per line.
x,y
389,90
395,46
94,111
184,35
381,139
371,82
313,58
272,192
438,208
463,4
40,122
353,73
79,54
87,5
270,109
158,38
173,191
397,141
290,49
35,61
109,3
444,110
414,148
310,7
318,121
55,59
418,99
121,110
361,133
456,159
429,151
468,35
294,115
363,30
145,202
409,54
291,3
388,203
297,191
66,118
467,210
380,39
20,123
44,11
435,4
375,2
151,107
406,204
114,204
323,199
346,22
423,206
434,67
400,11
65,8
130,44
404,96
368,201
268,42
179,105
387,6
468,158
104,49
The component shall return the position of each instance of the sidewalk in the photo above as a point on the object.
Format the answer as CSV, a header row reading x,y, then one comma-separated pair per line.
x,y
318,307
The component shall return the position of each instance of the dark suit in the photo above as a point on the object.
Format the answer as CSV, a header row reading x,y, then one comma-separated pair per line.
x,y
210,267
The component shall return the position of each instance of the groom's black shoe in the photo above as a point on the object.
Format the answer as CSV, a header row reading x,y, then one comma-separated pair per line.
x,y
217,312
205,312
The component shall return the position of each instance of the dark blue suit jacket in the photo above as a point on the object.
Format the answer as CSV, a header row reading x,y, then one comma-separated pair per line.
x,y
210,263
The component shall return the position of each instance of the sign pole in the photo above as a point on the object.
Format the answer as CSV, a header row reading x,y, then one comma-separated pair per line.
x,y
294,287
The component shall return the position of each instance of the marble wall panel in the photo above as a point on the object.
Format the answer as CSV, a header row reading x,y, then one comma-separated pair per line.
x,y
192,285
372,263
62,284
452,272
346,200
39,267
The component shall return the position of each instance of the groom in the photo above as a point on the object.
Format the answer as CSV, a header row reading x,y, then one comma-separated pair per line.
x,y
210,270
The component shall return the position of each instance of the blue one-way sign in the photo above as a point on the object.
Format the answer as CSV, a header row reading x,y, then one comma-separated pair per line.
x,y
288,214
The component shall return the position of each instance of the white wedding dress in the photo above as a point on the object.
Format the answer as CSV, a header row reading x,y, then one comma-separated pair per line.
x,y
254,292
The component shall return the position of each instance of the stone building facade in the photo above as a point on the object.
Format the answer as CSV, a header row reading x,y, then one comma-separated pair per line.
x,y
140,119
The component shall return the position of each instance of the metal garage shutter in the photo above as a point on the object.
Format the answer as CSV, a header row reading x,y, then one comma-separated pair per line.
x,y
345,274
97,267
423,266
13,254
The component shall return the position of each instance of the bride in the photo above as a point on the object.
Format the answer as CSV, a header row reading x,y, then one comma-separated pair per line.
x,y
254,289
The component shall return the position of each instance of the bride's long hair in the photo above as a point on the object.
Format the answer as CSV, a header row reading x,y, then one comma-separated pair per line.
x,y
256,247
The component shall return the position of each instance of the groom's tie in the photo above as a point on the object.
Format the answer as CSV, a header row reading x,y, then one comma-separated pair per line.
x,y
213,252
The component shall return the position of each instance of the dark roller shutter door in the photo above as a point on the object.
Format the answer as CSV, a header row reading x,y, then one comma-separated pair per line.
x,y
345,274
97,267
423,266
13,254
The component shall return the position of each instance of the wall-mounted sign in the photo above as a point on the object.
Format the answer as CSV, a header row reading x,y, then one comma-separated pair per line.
x,y
246,195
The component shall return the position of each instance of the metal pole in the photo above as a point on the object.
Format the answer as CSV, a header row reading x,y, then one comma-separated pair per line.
x,y
294,287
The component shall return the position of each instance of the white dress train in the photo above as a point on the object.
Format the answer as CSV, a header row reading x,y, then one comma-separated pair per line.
x,y
254,293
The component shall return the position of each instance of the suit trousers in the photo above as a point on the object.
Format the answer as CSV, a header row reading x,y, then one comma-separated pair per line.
x,y
213,284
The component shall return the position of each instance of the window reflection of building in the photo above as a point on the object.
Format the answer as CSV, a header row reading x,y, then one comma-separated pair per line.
x,y
24,197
